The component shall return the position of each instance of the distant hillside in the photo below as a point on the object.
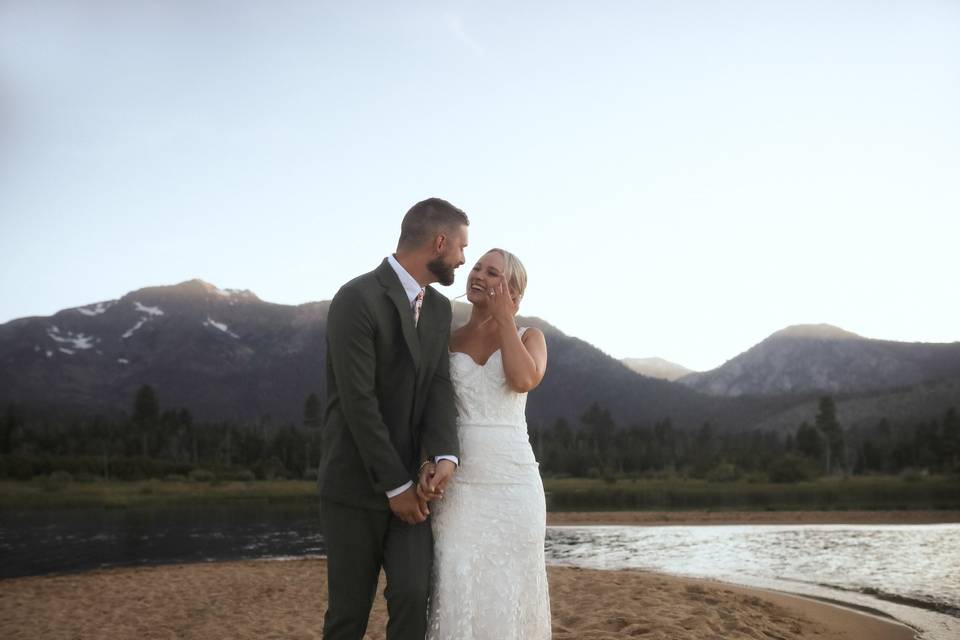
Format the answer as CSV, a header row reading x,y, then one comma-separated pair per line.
x,y
221,354
579,374
902,406
229,355
825,359
657,368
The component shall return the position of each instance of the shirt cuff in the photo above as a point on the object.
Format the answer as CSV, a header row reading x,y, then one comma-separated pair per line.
x,y
399,490
454,459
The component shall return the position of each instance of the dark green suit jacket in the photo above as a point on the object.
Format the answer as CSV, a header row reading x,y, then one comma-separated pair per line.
x,y
389,394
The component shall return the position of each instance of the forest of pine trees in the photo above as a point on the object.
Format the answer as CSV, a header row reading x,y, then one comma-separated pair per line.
x,y
601,448
157,443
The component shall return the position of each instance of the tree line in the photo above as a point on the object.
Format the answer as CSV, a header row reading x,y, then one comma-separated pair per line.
x,y
601,448
156,443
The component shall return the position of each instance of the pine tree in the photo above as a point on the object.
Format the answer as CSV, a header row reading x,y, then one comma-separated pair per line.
x,y
7,426
951,440
809,442
311,420
146,411
145,406
832,433
601,429
311,411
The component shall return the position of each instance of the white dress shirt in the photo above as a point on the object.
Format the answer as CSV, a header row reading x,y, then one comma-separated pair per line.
x,y
412,288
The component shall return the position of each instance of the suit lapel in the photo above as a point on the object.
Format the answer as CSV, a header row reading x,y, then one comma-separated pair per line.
x,y
427,327
394,290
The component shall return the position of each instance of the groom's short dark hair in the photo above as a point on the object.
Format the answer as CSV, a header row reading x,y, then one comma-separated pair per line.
x,y
428,218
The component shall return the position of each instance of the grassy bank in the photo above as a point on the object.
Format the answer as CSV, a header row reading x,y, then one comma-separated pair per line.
x,y
854,493
52,494
567,494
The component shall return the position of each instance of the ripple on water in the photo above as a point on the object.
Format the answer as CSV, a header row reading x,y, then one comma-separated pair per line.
x,y
909,572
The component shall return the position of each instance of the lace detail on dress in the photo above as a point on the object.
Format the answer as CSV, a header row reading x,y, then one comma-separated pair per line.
x,y
483,396
489,575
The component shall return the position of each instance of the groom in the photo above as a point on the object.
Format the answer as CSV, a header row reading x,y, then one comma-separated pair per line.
x,y
389,404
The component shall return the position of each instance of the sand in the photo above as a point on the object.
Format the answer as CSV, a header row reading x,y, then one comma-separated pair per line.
x,y
261,599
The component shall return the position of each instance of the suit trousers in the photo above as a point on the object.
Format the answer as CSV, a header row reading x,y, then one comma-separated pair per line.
x,y
359,542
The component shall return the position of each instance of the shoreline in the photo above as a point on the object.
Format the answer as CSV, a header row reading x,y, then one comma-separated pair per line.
x,y
273,598
694,517
829,603
860,493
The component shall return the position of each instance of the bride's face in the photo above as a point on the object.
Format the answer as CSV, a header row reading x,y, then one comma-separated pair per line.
x,y
485,275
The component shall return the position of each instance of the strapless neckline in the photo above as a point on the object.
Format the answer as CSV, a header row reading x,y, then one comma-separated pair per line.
x,y
485,362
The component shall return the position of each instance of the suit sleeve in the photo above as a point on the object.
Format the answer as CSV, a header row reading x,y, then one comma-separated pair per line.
x,y
439,423
351,332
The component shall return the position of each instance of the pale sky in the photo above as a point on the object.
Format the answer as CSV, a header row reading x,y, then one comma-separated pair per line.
x,y
681,179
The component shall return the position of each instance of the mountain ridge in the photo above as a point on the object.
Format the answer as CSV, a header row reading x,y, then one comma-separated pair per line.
x,y
228,355
823,358
656,367
238,357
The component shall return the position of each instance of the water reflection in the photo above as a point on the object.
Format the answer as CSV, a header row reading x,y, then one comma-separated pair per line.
x,y
38,542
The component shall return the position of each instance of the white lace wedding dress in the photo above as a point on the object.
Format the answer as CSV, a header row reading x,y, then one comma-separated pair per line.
x,y
489,578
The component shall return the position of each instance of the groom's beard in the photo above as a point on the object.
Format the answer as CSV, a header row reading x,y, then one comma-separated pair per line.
x,y
442,270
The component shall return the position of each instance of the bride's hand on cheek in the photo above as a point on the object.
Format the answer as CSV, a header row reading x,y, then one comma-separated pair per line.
x,y
502,306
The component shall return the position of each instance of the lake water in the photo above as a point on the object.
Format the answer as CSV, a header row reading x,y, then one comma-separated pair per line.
x,y
909,572
48,541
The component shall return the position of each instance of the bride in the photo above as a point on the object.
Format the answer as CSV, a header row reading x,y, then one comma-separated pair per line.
x,y
489,579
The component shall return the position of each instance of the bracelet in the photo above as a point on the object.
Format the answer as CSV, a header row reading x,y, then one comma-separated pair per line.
x,y
423,464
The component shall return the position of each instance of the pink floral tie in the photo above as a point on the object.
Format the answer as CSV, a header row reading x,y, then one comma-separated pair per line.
x,y
417,303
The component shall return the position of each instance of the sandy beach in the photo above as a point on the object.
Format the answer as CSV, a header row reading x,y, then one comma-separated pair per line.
x,y
263,599
286,599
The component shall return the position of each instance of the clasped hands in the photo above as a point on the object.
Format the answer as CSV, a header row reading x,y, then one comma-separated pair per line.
x,y
411,506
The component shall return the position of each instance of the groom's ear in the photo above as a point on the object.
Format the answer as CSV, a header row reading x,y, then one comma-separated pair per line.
x,y
439,241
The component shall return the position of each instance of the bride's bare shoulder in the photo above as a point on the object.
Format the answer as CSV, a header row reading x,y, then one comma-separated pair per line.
x,y
532,333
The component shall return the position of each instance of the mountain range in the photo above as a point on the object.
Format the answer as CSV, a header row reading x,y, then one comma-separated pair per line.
x,y
228,355
825,359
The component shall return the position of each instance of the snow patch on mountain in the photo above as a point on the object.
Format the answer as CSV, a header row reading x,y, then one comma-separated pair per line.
x,y
97,309
78,340
153,311
133,330
210,322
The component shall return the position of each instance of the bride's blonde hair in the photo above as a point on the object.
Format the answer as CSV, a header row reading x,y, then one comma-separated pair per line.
x,y
513,271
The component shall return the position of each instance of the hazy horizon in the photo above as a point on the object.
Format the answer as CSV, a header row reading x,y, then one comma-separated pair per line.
x,y
713,171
